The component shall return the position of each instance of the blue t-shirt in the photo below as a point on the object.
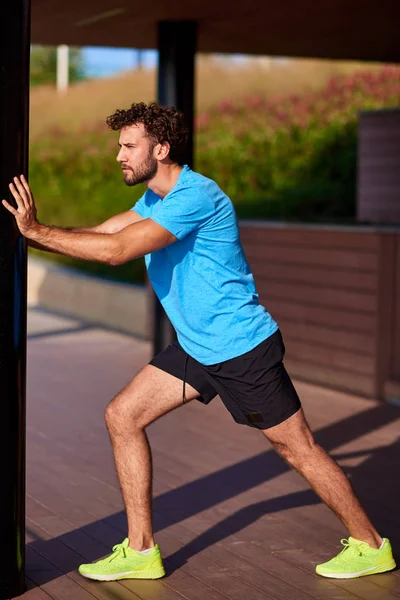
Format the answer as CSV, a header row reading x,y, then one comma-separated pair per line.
x,y
203,280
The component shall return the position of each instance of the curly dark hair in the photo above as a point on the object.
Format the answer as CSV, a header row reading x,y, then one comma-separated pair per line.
x,y
161,123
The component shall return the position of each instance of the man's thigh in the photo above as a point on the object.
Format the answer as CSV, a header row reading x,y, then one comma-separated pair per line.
x,y
151,394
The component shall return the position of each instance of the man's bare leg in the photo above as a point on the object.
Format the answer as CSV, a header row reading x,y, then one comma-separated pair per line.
x,y
295,443
151,394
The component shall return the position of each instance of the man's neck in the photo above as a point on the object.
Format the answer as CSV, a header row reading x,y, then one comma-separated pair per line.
x,y
164,181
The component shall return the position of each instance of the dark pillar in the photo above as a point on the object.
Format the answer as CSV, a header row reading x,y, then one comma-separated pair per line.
x,y
14,112
176,70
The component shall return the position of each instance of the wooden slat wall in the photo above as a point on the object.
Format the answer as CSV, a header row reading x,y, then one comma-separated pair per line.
x,y
395,364
379,167
323,289
392,383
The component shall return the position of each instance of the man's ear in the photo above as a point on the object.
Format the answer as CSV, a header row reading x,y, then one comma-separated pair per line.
x,y
161,151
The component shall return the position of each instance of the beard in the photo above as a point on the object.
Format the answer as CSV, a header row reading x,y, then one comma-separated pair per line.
x,y
142,174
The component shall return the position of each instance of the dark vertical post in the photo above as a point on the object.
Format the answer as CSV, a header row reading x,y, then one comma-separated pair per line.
x,y
176,70
14,114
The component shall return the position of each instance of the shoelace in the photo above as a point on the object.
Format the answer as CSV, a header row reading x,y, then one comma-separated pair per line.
x,y
117,550
349,546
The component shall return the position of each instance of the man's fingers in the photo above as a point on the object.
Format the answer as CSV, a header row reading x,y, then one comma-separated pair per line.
x,y
22,192
27,188
9,207
17,197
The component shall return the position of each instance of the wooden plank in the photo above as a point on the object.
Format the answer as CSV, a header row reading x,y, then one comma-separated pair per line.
x,y
52,525
386,215
226,507
58,531
231,575
253,466
292,310
219,519
373,175
262,581
385,324
77,540
380,128
193,588
55,551
282,235
382,203
381,195
310,528
317,276
323,355
379,144
54,582
364,587
240,546
49,496
387,140
33,592
339,380
240,555
210,520
384,147
395,359
313,256
328,297
362,343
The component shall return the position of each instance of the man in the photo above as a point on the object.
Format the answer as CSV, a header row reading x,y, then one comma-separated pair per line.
x,y
228,344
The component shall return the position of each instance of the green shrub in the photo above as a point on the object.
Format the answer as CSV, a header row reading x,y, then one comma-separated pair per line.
x,y
77,183
291,158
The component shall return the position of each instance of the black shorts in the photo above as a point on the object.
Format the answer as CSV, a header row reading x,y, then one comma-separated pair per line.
x,y
255,387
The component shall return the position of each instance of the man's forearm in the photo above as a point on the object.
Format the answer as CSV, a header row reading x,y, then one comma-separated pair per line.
x,y
99,247
37,246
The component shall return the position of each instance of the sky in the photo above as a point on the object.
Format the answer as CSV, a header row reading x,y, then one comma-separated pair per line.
x,y
103,62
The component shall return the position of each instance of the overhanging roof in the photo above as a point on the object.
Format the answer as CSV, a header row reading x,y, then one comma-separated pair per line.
x,y
341,29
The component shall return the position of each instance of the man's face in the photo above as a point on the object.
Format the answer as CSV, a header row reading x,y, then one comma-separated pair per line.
x,y
136,155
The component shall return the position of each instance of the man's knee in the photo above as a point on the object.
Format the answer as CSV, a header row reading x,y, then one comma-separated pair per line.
x,y
121,419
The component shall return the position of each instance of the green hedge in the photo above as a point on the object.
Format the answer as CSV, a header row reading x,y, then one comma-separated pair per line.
x,y
77,183
296,174
292,158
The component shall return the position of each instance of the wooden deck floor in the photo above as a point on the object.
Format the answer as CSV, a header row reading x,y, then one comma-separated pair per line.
x,y
232,520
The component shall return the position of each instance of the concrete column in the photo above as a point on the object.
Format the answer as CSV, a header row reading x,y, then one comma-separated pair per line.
x,y
176,73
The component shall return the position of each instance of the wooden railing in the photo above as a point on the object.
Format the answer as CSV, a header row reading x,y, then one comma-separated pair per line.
x,y
335,293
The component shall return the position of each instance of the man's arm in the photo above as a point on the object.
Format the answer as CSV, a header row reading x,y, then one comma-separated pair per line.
x,y
133,241
112,225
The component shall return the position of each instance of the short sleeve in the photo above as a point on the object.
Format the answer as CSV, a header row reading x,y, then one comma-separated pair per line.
x,y
140,206
184,211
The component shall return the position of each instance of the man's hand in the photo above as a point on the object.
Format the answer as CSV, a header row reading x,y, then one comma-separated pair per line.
x,y
25,213
142,236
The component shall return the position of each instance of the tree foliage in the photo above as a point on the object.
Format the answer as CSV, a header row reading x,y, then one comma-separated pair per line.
x,y
44,65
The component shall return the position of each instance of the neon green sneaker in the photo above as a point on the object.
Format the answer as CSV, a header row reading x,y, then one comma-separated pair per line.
x,y
125,563
357,559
